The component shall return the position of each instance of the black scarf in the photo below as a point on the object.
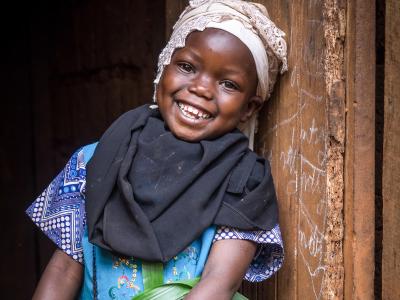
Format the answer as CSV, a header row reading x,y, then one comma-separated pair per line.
x,y
149,194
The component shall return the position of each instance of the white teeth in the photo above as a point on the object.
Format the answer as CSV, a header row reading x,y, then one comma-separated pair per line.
x,y
192,112
188,115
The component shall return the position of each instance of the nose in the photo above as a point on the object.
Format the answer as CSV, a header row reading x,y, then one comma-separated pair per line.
x,y
201,86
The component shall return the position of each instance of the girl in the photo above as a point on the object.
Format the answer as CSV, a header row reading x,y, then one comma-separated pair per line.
x,y
173,198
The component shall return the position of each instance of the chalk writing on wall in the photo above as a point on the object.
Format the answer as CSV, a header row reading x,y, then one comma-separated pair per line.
x,y
303,164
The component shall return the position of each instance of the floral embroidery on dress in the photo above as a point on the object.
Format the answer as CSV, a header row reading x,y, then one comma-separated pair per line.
x,y
184,264
127,280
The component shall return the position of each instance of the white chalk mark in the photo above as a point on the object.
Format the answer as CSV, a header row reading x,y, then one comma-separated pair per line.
x,y
304,92
294,77
304,159
311,247
286,121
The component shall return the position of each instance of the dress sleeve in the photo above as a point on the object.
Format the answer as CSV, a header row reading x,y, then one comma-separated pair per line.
x,y
269,255
59,211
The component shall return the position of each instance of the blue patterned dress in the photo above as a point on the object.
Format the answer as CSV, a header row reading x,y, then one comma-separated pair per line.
x,y
59,212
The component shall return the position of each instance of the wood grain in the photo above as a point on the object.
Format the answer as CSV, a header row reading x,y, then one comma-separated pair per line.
x,y
391,156
360,150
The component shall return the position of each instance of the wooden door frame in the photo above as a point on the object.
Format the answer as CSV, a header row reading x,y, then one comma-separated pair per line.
x,y
359,193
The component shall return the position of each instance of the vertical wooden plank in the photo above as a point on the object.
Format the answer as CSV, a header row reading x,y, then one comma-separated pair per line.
x,y
391,157
278,139
293,134
360,150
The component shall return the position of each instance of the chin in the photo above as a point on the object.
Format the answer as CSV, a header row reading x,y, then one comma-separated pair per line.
x,y
187,136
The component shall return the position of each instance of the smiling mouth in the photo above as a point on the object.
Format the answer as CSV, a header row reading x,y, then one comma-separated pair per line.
x,y
192,112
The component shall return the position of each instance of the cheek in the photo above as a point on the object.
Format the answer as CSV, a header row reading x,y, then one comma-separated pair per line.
x,y
232,106
163,87
171,79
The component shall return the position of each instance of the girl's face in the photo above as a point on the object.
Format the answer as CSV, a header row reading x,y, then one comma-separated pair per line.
x,y
209,86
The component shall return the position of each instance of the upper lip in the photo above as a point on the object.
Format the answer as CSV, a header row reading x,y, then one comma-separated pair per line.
x,y
200,108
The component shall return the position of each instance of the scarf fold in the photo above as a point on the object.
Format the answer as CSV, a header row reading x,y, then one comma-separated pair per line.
x,y
149,194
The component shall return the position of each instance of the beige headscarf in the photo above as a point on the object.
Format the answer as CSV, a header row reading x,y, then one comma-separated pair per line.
x,y
251,24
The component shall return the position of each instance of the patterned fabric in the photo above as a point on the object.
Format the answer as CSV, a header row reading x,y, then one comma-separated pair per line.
x,y
60,213
60,210
269,257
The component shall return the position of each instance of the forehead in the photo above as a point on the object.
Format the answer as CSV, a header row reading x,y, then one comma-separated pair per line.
x,y
220,44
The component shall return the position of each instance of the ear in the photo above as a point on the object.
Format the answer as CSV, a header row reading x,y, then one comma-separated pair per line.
x,y
253,106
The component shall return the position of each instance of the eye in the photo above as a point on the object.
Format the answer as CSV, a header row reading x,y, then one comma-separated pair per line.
x,y
185,67
229,85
